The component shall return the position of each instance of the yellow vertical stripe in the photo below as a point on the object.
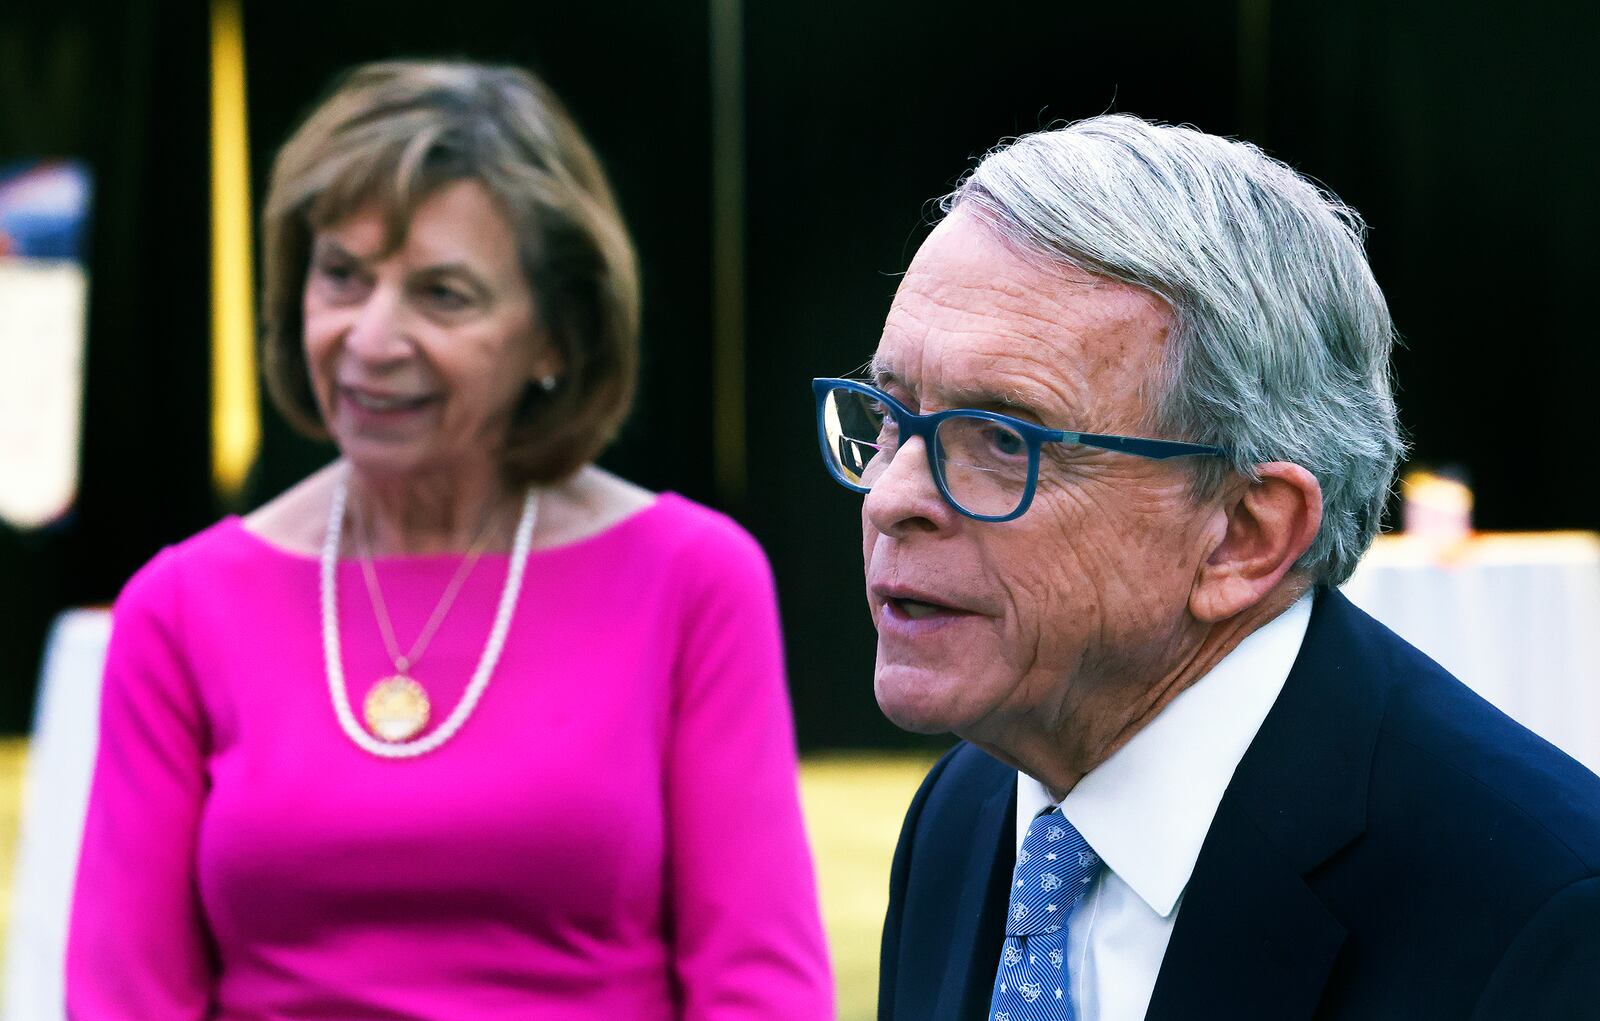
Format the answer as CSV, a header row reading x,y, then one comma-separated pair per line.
x,y
235,405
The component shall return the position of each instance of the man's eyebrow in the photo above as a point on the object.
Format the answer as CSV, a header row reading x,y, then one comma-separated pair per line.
x,y
1010,401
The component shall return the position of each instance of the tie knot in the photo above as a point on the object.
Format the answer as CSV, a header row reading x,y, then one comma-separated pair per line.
x,y
1055,868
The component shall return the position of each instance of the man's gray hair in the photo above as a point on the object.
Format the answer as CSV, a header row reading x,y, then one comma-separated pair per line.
x,y
1281,338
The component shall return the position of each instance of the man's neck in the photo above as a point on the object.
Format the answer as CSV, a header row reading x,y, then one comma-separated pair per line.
x,y
1082,739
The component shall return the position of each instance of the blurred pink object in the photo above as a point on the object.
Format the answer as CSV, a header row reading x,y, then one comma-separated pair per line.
x,y
615,833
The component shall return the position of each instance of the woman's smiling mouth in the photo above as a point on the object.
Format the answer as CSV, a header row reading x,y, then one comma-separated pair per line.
x,y
379,405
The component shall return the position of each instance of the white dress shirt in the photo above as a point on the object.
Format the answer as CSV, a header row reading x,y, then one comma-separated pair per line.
x,y
1146,811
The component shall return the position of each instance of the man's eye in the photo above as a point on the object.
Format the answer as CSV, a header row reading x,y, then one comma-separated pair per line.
x,y
1005,442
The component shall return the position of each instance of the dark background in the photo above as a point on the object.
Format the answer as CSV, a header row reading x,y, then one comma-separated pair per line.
x,y
1463,131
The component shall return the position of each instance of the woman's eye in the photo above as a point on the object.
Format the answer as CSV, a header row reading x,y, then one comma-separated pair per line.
x,y
340,281
336,273
446,297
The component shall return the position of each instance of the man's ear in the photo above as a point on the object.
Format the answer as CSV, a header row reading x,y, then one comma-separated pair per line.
x,y
1265,526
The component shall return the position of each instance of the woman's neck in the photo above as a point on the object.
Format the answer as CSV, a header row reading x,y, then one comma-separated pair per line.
x,y
438,513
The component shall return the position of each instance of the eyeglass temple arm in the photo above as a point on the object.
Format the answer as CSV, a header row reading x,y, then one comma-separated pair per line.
x,y
1160,450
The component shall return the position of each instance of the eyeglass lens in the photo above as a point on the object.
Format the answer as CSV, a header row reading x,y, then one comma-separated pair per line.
x,y
984,463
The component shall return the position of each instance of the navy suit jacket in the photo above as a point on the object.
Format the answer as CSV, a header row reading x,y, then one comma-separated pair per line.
x,y
1391,846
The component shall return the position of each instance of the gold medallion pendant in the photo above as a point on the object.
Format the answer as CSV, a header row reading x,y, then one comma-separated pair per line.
x,y
396,708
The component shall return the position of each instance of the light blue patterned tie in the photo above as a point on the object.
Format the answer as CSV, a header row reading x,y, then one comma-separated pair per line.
x,y
1055,868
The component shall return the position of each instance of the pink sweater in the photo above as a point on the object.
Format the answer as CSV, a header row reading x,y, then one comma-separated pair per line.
x,y
614,834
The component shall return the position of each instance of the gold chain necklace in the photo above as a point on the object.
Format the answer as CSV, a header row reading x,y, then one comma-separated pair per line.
x,y
396,707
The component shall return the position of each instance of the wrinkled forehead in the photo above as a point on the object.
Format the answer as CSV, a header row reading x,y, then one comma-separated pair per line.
x,y
977,322
387,173
380,198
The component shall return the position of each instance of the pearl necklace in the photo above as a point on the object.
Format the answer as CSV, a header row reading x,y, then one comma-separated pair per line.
x,y
491,651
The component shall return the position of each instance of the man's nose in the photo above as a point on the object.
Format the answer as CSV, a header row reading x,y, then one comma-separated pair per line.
x,y
377,333
905,498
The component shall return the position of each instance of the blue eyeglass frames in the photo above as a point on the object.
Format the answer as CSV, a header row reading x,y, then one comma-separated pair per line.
x,y
985,464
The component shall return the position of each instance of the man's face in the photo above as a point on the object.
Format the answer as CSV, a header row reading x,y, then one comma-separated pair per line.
x,y
1067,616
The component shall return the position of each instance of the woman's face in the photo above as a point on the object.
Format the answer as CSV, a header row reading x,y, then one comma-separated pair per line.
x,y
419,357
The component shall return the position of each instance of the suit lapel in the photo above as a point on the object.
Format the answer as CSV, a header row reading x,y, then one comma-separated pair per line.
x,y
968,979
1252,940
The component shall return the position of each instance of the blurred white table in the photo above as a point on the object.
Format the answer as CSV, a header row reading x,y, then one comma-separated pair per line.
x,y
1515,616
55,796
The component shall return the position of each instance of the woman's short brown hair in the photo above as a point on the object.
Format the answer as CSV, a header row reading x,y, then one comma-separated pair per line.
x,y
391,133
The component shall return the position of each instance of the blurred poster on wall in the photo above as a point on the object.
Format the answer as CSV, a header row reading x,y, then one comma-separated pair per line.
x,y
44,210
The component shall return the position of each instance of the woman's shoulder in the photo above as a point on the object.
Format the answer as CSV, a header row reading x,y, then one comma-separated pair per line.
x,y
295,520
710,532
178,570
669,523
591,503
231,549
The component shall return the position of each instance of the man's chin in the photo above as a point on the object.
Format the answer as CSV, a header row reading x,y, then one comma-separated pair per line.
x,y
915,708
915,724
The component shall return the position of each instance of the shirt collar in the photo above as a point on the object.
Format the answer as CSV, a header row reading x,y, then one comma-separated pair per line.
x,y
1147,808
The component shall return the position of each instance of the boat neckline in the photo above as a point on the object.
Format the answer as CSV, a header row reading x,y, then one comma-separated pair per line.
x,y
236,522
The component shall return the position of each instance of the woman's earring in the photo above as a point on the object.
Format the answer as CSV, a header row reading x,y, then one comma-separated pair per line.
x,y
547,383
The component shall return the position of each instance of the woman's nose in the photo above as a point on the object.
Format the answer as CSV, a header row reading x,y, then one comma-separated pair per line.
x,y
377,331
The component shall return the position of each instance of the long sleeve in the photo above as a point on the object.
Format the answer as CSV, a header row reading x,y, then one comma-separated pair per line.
x,y
137,946
747,937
